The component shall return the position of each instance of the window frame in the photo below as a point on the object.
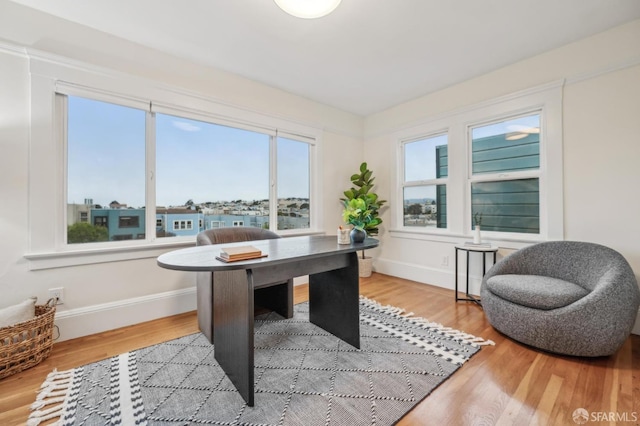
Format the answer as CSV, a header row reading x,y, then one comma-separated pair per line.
x,y
502,176
547,100
47,246
423,182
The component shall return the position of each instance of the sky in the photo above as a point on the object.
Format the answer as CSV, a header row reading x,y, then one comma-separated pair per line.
x,y
195,160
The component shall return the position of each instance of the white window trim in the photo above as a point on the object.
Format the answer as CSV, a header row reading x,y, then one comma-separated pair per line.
x,y
548,100
426,182
47,246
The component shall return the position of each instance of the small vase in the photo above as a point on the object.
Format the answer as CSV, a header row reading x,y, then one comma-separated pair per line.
x,y
358,235
476,235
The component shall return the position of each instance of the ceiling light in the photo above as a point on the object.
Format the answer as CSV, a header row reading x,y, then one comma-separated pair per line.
x,y
308,9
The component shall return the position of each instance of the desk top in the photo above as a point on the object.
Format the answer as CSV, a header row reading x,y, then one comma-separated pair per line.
x,y
280,250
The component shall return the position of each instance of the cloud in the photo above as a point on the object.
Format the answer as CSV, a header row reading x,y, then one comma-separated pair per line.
x,y
187,127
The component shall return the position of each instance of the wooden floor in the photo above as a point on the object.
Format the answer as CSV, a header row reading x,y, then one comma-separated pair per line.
x,y
507,384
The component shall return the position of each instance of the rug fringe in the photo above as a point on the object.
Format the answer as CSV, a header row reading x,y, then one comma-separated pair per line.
x,y
54,390
424,323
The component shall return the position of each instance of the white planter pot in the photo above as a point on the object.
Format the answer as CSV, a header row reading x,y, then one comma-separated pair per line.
x,y
365,266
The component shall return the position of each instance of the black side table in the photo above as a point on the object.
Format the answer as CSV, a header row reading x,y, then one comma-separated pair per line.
x,y
478,249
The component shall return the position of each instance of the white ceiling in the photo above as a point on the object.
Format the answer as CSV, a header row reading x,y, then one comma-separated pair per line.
x,y
368,55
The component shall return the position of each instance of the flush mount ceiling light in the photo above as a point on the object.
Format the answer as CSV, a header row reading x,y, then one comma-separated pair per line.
x,y
308,9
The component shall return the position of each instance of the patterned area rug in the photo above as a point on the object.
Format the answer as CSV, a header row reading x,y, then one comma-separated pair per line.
x,y
303,376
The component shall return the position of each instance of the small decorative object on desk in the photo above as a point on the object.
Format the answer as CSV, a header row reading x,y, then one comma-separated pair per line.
x,y
477,220
343,236
358,235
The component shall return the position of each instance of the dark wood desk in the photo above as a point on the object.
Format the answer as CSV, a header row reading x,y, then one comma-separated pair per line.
x,y
333,292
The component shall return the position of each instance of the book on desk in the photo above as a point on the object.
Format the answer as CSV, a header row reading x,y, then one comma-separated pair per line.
x,y
237,253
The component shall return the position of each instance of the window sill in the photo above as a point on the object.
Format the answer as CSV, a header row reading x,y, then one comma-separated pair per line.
x,y
455,238
89,256
62,259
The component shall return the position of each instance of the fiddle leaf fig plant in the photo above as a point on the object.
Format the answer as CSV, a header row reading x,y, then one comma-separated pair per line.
x,y
356,213
361,205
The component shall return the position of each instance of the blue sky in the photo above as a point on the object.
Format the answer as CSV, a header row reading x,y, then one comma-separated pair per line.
x,y
194,160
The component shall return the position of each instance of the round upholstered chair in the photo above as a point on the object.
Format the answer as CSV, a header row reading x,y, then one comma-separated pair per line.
x,y
567,297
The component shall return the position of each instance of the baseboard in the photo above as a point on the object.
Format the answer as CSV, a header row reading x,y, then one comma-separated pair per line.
x,y
108,316
440,278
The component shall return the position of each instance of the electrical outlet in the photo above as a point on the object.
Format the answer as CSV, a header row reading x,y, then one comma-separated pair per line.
x,y
445,260
57,294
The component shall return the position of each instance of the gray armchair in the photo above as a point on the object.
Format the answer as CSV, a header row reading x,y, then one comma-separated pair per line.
x,y
276,296
568,297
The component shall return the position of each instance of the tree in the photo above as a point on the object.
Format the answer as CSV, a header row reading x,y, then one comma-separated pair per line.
x,y
83,232
414,209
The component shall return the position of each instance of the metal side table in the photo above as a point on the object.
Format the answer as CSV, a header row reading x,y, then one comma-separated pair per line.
x,y
469,248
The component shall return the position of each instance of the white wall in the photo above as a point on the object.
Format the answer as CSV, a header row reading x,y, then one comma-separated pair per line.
x,y
108,295
601,107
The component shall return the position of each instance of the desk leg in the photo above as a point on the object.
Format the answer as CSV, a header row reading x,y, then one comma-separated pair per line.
x,y
334,301
233,328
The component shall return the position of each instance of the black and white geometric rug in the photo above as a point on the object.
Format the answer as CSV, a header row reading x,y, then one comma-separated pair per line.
x,y
303,376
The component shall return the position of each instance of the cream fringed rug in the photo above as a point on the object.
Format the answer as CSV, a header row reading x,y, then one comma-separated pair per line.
x,y
304,376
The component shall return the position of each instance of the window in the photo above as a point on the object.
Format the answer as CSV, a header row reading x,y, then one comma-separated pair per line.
x,y
105,167
221,170
424,188
100,144
129,221
218,172
179,225
293,184
499,162
101,221
505,175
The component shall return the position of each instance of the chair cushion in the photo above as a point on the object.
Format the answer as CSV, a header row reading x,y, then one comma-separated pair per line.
x,y
535,291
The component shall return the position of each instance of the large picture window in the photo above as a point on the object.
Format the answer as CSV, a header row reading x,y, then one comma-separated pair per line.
x,y
206,173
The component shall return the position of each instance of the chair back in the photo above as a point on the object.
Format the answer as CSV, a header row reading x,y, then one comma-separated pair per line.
x,y
233,235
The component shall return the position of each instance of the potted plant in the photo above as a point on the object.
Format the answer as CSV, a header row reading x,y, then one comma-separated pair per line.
x,y
361,209
357,213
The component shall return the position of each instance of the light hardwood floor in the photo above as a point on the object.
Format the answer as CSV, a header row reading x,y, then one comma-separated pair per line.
x,y
508,384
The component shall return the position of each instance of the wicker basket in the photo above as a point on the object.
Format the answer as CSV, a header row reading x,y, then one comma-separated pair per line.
x,y
25,344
